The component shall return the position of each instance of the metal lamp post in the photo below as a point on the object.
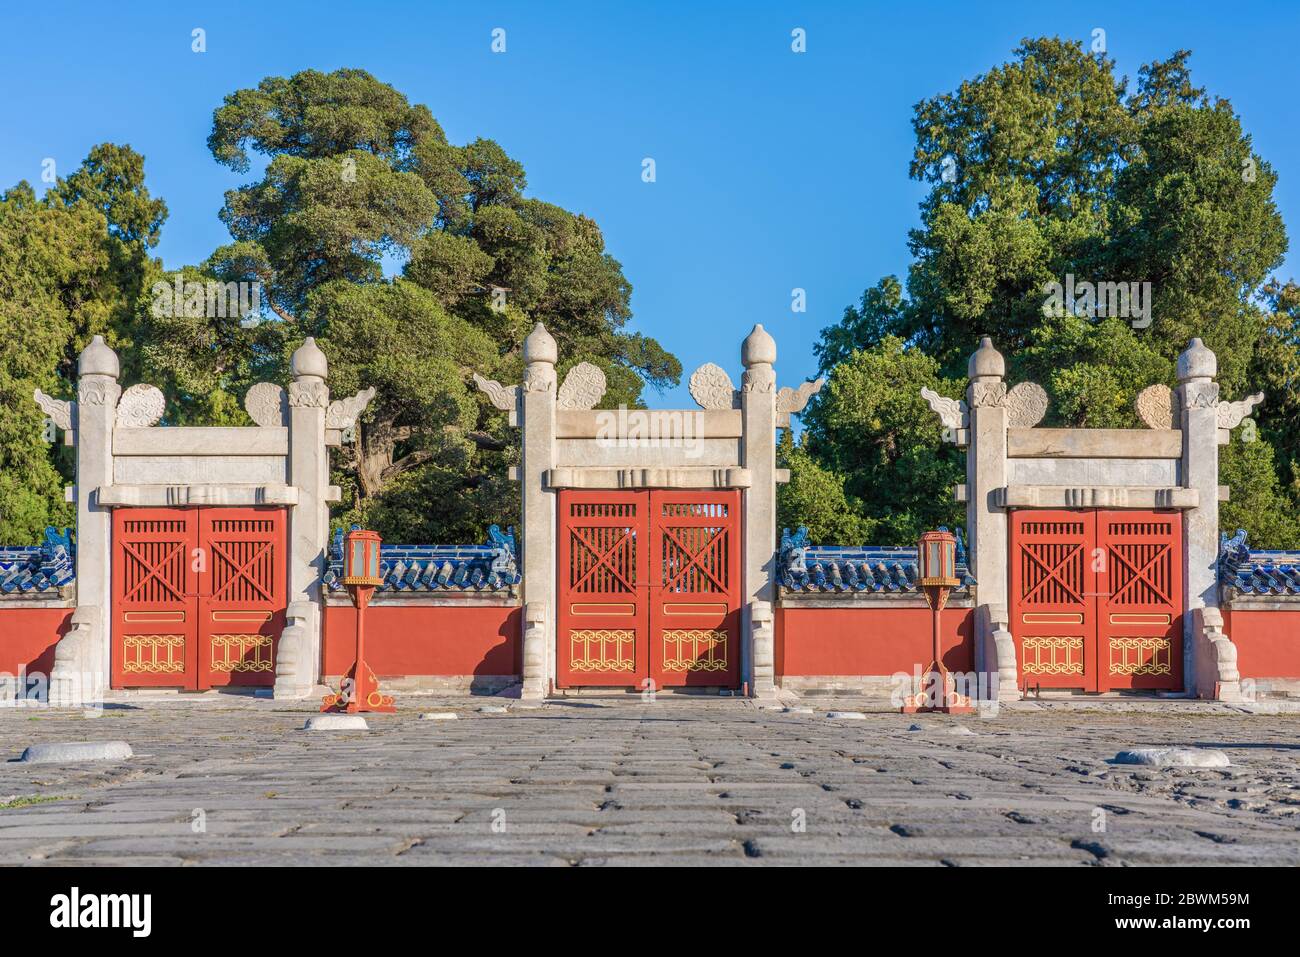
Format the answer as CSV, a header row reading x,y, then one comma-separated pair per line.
x,y
936,559
359,689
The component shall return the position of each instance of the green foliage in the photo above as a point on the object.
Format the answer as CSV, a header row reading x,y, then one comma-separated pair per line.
x,y
72,265
357,178
815,497
1050,165
871,434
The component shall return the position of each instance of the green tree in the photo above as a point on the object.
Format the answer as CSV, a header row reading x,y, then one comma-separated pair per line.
x,y
872,447
72,265
414,262
1049,166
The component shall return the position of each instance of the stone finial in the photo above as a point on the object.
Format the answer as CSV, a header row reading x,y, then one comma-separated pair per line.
x,y
1197,362
540,346
758,348
308,360
986,362
98,359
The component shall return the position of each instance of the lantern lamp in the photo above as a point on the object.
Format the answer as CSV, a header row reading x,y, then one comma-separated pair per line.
x,y
361,558
936,568
936,560
359,690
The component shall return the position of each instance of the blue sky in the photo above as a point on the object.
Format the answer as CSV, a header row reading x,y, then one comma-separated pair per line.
x,y
775,170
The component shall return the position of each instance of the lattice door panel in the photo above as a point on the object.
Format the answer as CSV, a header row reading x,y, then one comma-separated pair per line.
x,y
198,596
1053,585
242,595
601,595
695,588
1140,625
154,583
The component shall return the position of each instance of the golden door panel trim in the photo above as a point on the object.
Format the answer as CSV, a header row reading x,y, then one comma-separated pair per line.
x,y
229,653
1068,662
1138,618
620,610
242,615
153,616
602,649
680,609
1050,618
1137,663
153,654
694,649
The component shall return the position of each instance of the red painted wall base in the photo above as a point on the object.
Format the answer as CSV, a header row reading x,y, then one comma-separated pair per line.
x,y
426,640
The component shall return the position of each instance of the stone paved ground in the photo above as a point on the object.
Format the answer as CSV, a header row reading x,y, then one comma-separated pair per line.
x,y
678,781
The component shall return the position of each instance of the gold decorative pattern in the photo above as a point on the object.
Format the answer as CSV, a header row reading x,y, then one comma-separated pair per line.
x,y
1068,662
695,649
153,654
1140,662
230,653
600,649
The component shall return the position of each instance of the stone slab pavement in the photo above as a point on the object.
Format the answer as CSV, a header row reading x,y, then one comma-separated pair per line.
x,y
227,779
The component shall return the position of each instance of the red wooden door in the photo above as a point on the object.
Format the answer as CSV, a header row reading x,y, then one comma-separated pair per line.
x,y
695,588
154,583
601,627
241,599
1053,587
1096,599
1140,621
198,596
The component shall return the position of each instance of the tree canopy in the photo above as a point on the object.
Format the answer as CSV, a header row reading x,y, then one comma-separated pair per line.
x,y
1050,166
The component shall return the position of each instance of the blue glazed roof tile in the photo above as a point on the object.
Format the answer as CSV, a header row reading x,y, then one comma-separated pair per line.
x,y
438,568
40,569
1259,572
835,569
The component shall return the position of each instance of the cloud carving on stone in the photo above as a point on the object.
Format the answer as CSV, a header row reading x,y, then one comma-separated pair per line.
x,y
583,387
140,406
265,404
1230,414
952,412
795,400
712,388
59,410
501,396
343,413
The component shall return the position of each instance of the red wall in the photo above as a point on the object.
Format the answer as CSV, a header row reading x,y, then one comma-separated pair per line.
x,y
28,637
426,640
1268,642
869,640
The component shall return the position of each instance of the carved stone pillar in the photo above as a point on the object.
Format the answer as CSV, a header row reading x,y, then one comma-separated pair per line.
x,y
537,399
986,472
95,416
309,400
758,454
1198,411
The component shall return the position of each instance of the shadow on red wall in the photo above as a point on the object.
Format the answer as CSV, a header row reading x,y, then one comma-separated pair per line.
x,y
426,640
28,637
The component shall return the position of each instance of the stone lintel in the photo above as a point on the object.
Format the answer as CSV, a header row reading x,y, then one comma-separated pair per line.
x,y
1094,443
173,496
613,478
185,440
617,423
1096,496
